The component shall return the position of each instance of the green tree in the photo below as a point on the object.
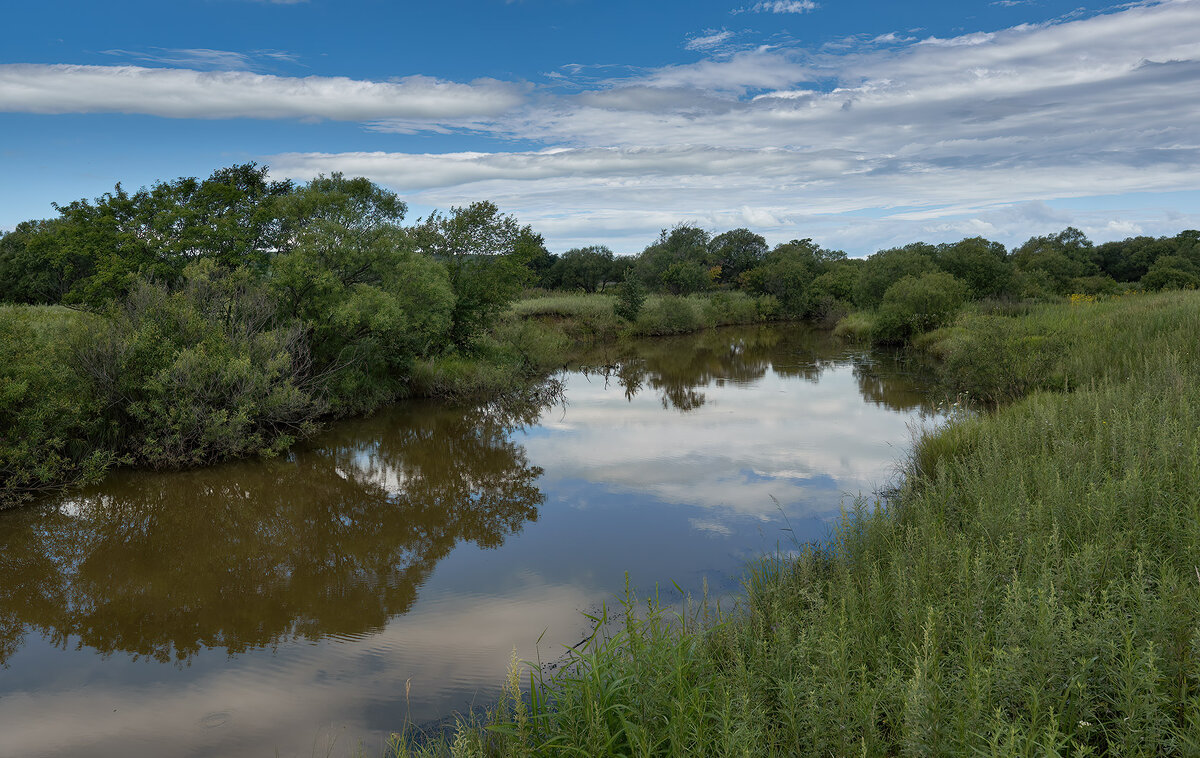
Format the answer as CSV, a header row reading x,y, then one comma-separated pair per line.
x,y
585,268
684,243
95,250
736,252
369,302
981,264
203,372
886,267
1064,256
36,266
685,278
788,271
486,254
917,304
1172,272
631,296
1129,259
832,292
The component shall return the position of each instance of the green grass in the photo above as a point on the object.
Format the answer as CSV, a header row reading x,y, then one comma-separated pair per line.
x,y
1033,590
589,318
856,326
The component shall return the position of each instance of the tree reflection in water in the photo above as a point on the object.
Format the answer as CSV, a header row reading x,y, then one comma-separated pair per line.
x,y
333,541
678,367
338,538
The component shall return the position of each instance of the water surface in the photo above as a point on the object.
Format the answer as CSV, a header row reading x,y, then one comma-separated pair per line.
x,y
388,569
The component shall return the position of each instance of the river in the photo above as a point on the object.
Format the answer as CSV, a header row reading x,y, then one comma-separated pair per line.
x,y
385,571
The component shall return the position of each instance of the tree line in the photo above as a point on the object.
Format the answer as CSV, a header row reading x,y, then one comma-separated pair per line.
x,y
226,316
907,289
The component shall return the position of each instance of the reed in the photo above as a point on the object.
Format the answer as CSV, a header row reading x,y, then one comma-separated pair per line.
x,y
1033,590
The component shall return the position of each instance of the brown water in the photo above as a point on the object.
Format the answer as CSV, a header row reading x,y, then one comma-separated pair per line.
x,y
386,571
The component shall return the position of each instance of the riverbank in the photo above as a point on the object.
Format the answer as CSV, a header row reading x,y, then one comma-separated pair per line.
x,y
1031,590
57,434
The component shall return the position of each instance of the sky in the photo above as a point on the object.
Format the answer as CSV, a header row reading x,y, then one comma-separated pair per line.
x,y
859,124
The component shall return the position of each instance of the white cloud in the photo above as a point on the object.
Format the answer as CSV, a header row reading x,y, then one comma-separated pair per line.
x,y
929,136
780,6
922,136
206,58
710,39
187,93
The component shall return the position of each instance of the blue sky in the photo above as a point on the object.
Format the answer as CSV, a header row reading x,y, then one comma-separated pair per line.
x,y
860,124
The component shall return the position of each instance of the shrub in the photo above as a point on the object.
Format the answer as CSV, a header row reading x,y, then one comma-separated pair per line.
x,y
997,360
918,304
631,296
730,308
668,314
200,374
1171,272
855,326
51,433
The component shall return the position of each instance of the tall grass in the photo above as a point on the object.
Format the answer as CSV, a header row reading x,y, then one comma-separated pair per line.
x,y
1033,590
591,318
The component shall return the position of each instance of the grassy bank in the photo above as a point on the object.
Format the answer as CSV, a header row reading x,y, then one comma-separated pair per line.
x,y
1034,589
591,317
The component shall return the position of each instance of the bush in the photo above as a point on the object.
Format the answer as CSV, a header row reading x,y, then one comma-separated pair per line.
x,y
668,314
201,374
1171,272
998,361
855,326
917,304
631,296
51,433
730,308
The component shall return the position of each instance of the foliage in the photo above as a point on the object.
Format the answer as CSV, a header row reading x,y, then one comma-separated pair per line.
x,y
736,252
788,272
669,314
684,244
685,278
369,303
95,250
885,268
1000,359
979,263
51,433
201,373
36,264
585,268
1172,272
631,296
485,253
1062,257
917,304
857,326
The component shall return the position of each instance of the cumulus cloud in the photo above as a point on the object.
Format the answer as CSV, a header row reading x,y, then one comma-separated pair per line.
x,y
188,93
